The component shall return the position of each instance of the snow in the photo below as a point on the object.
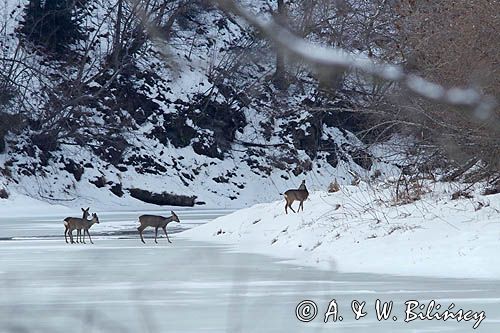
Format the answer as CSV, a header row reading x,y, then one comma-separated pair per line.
x,y
60,187
360,229
182,77
22,205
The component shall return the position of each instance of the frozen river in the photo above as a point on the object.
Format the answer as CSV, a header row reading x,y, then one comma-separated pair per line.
x,y
120,285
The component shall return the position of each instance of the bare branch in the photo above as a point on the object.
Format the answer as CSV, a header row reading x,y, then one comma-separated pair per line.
x,y
337,58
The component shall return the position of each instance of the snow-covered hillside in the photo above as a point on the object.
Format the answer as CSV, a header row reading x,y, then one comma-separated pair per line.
x,y
188,116
361,229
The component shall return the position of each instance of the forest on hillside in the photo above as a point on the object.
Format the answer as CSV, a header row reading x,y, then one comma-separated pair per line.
x,y
101,91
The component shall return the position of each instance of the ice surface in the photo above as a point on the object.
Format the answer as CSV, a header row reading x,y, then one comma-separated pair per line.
x,y
121,285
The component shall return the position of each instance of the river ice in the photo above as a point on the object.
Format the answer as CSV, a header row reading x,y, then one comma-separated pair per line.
x,y
119,284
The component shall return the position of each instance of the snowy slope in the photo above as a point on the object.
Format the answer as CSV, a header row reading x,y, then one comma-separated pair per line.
x,y
171,77
361,230
21,205
244,187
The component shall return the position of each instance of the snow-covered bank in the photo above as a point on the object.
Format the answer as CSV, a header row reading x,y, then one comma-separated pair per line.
x,y
361,230
21,205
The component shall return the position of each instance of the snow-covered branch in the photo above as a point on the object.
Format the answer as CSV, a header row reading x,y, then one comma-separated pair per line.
x,y
337,58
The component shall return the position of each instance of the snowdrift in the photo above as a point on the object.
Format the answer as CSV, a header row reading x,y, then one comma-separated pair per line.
x,y
362,229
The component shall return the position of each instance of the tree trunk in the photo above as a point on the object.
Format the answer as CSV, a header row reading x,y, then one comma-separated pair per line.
x,y
117,44
280,74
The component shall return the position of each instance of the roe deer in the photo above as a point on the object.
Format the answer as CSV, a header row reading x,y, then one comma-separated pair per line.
x,y
72,223
156,222
88,224
300,194
85,215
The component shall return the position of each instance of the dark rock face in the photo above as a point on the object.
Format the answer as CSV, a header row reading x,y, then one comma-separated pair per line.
x,y
4,194
46,141
5,125
99,182
175,130
213,128
207,146
116,189
162,199
111,149
306,134
125,95
145,164
75,169
332,159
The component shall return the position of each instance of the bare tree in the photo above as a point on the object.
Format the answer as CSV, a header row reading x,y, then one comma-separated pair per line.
x,y
454,43
280,73
452,116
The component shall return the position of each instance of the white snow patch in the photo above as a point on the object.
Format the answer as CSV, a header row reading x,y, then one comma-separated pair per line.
x,y
360,230
21,205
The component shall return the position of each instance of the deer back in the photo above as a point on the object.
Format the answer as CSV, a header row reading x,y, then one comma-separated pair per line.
x,y
152,220
74,222
299,195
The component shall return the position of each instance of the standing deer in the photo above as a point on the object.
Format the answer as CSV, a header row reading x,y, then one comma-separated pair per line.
x,y
85,215
156,222
72,223
299,194
88,224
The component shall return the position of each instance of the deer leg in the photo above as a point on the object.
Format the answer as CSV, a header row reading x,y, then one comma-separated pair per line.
x,y
70,231
156,234
91,242
165,229
290,205
140,233
66,234
84,236
301,205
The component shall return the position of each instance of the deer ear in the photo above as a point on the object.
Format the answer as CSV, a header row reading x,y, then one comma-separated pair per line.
x,y
83,210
